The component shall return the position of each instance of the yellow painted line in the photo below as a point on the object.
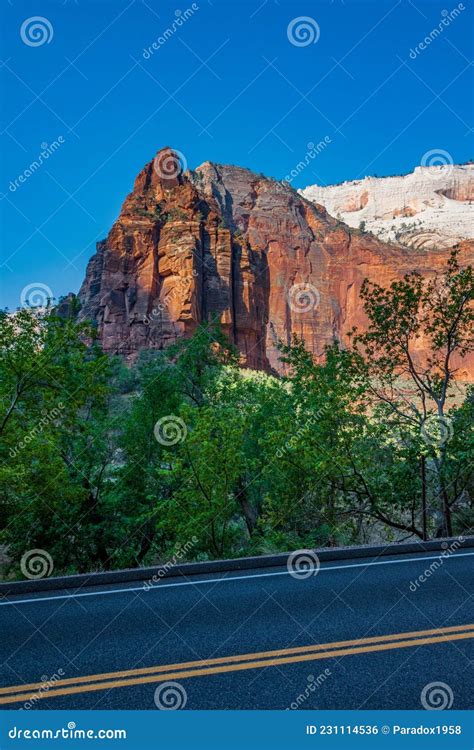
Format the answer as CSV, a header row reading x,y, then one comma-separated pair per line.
x,y
231,667
238,658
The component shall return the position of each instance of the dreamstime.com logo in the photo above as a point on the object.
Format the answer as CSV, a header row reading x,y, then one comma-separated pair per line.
x,y
433,567
437,696
36,563
293,441
170,696
437,157
47,418
170,430
36,294
447,17
181,17
303,31
46,684
169,165
180,552
303,297
181,286
437,430
36,31
313,684
71,732
47,150
303,563
314,149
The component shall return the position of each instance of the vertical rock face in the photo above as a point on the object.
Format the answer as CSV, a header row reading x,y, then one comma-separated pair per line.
x,y
165,266
171,261
222,242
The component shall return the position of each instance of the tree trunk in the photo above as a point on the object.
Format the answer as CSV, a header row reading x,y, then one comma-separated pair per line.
x,y
250,516
423,497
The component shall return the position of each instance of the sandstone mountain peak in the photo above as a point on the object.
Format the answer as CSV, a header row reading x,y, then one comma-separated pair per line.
x,y
222,242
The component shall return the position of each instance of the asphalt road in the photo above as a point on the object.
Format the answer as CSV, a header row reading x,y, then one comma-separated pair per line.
x,y
264,639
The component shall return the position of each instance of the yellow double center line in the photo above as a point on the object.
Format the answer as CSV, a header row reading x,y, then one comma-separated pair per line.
x,y
184,670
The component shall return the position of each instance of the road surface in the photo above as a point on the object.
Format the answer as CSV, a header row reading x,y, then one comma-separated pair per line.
x,y
355,634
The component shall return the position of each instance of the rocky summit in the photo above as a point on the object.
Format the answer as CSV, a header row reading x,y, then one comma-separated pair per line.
x,y
223,242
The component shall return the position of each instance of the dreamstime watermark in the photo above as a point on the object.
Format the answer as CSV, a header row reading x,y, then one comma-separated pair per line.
x,y
303,297
175,292
314,149
35,295
447,18
437,430
71,732
436,564
170,696
439,158
170,164
303,563
36,563
47,150
180,552
47,418
437,696
170,430
181,17
313,684
292,443
36,31
46,684
303,31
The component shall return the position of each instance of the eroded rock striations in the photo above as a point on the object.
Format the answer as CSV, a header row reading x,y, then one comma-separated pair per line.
x,y
224,242
433,206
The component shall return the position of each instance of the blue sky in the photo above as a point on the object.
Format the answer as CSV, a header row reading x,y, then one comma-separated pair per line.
x,y
229,85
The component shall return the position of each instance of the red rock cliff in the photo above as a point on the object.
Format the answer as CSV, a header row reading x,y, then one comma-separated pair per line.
x,y
223,241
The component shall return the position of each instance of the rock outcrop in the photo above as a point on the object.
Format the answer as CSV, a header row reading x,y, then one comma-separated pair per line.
x,y
431,207
222,242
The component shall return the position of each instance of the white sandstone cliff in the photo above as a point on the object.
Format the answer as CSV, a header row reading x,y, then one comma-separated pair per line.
x,y
432,206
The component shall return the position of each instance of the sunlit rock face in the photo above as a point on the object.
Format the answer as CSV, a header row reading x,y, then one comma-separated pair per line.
x,y
224,243
431,207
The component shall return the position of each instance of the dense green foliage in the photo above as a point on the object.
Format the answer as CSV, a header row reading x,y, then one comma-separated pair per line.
x,y
185,455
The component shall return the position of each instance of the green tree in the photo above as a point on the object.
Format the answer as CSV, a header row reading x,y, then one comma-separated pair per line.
x,y
55,386
223,462
307,466
173,387
416,391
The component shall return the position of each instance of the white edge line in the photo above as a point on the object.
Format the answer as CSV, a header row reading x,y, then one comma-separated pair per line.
x,y
226,579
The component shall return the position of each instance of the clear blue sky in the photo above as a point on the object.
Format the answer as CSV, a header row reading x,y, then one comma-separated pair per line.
x,y
227,86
